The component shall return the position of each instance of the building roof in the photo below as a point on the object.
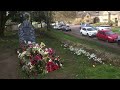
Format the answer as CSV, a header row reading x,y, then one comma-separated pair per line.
x,y
82,14
94,13
112,12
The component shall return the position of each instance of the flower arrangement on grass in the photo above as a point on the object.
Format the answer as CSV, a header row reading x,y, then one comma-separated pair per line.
x,y
38,59
81,51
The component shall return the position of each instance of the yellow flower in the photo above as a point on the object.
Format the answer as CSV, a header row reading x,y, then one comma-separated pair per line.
x,y
42,45
93,65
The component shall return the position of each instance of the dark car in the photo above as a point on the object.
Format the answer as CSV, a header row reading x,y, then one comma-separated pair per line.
x,y
118,40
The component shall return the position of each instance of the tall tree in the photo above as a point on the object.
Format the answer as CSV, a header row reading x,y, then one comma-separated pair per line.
x,y
45,16
4,16
38,16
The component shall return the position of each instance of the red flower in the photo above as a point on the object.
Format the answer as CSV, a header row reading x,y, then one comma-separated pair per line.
x,y
33,62
50,66
38,57
56,67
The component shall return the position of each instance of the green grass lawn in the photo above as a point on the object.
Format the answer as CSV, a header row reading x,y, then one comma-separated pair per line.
x,y
95,45
116,30
74,67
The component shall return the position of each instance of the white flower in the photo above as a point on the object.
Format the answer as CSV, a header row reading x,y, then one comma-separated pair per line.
x,y
19,55
46,52
71,48
23,53
83,51
60,65
18,52
76,49
65,45
25,41
92,56
37,45
30,65
100,61
29,42
87,54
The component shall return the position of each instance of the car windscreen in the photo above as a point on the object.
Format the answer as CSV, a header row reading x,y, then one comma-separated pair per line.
x,y
104,26
109,33
90,29
94,28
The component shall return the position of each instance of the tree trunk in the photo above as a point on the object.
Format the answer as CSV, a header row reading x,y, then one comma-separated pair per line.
x,y
2,22
41,23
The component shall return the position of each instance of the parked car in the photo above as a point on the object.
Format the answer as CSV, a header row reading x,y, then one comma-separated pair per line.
x,y
118,40
58,27
84,25
104,27
89,31
107,35
66,28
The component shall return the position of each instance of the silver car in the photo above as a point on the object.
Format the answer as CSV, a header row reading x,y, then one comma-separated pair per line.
x,y
104,27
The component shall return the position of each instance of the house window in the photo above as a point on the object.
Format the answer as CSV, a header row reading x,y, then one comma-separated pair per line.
x,y
87,20
87,16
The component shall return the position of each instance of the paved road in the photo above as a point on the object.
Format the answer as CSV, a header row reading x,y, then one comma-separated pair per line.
x,y
76,32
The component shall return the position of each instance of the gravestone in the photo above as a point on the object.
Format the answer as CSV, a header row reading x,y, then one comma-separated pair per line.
x,y
26,31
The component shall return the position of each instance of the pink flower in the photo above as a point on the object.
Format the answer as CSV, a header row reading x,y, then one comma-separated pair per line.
x,y
51,51
30,45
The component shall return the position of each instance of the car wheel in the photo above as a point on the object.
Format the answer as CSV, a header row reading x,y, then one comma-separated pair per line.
x,y
81,33
88,35
118,42
107,41
98,38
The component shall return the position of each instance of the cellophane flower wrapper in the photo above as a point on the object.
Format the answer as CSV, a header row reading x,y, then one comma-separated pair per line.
x,y
37,59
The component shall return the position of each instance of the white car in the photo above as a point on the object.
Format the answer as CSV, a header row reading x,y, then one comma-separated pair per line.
x,y
104,27
89,31
66,28
57,27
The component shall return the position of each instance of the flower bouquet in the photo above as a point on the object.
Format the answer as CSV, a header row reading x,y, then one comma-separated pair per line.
x,y
37,59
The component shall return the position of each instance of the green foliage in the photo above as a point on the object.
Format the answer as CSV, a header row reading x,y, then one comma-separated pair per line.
x,y
66,16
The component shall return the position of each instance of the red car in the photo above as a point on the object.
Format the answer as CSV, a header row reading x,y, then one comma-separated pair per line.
x,y
107,35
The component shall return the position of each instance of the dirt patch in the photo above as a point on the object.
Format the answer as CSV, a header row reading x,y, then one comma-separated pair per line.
x,y
8,65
